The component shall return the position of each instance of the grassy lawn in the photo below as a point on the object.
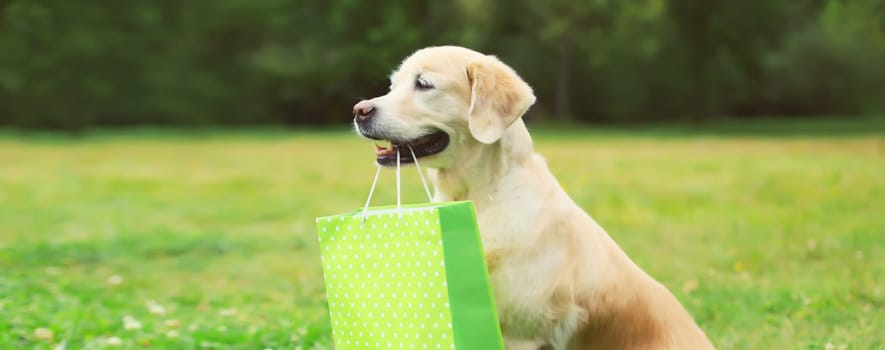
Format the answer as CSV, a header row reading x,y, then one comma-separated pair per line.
x,y
173,240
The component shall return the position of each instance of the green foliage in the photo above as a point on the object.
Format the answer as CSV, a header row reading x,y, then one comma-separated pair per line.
x,y
771,242
74,64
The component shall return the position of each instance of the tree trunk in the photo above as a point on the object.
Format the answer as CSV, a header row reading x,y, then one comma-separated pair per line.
x,y
562,89
700,108
701,49
3,5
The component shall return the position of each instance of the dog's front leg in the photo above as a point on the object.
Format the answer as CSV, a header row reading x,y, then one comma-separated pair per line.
x,y
566,328
523,344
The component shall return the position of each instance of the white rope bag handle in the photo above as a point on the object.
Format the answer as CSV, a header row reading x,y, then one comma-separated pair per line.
x,y
398,189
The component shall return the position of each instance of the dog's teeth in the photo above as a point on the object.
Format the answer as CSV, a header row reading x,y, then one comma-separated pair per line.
x,y
385,148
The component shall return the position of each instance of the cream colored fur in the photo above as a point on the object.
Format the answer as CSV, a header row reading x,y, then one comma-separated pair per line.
x,y
559,280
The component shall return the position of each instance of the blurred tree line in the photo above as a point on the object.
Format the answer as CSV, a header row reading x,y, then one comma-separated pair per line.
x,y
77,63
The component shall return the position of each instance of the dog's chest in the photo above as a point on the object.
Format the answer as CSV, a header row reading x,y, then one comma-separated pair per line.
x,y
507,225
521,291
521,268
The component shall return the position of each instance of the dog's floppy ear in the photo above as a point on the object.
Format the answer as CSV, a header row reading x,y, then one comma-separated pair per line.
x,y
498,97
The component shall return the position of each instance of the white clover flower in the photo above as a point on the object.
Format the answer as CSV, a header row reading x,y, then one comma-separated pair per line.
x,y
155,308
115,280
227,312
130,323
43,334
114,341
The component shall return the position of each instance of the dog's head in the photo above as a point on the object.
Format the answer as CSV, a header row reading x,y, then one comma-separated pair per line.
x,y
443,101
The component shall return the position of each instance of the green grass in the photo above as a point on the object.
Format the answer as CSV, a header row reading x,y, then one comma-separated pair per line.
x,y
771,242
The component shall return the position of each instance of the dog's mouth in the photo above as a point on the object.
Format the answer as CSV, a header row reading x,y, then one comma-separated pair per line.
x,y
423,146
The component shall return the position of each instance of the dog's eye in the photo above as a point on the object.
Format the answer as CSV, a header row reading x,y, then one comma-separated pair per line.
x,y
421,84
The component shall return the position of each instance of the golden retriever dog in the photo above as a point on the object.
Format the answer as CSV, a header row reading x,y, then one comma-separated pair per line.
x,y
560,282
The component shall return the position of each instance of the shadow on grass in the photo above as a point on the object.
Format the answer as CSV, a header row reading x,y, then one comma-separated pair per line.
x,y
754,127
161,245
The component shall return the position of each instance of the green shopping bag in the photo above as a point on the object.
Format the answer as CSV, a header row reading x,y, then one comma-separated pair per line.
x,y
408,277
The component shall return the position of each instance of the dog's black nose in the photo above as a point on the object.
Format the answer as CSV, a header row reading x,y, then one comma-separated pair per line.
x,y
363,111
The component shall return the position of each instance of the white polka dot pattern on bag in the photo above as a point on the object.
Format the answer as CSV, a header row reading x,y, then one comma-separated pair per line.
x,y
385,280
